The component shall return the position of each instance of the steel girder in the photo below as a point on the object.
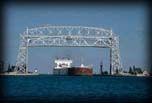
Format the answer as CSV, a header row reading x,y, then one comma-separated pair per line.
x,y
68,36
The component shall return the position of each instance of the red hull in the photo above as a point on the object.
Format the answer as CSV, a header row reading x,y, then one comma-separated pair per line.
x,y
80,71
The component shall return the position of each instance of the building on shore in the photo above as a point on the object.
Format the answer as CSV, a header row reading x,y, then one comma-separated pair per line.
x,y
145,73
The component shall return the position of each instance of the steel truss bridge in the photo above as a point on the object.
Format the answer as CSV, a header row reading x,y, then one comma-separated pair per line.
x,y
68,36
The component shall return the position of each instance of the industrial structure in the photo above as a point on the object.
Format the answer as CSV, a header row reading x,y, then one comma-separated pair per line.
x,y
101,68
68,36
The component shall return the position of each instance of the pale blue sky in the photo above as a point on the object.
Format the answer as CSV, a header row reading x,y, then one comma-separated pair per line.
x,y
127,21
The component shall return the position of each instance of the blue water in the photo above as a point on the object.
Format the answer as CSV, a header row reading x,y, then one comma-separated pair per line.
x,y
75,88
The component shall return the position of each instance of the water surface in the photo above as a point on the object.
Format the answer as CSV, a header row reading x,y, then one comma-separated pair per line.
x,y
77,88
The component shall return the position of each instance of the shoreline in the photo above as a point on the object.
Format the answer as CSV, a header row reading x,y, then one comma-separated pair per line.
x,y
36,74
14,73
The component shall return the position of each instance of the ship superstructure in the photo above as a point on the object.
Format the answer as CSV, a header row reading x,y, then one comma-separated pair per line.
x,y
62,66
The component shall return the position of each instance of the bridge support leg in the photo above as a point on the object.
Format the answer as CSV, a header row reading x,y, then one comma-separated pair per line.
x,y
110,61
26,69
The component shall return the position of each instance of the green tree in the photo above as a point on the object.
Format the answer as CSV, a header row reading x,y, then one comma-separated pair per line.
x,y
105,73
9,68
138,70
134,70
117,71
130,70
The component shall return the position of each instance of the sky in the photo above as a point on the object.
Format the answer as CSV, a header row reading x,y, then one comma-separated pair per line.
x,y
127,21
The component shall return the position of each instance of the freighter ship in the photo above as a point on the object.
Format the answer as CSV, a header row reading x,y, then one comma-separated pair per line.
x,y
63,67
